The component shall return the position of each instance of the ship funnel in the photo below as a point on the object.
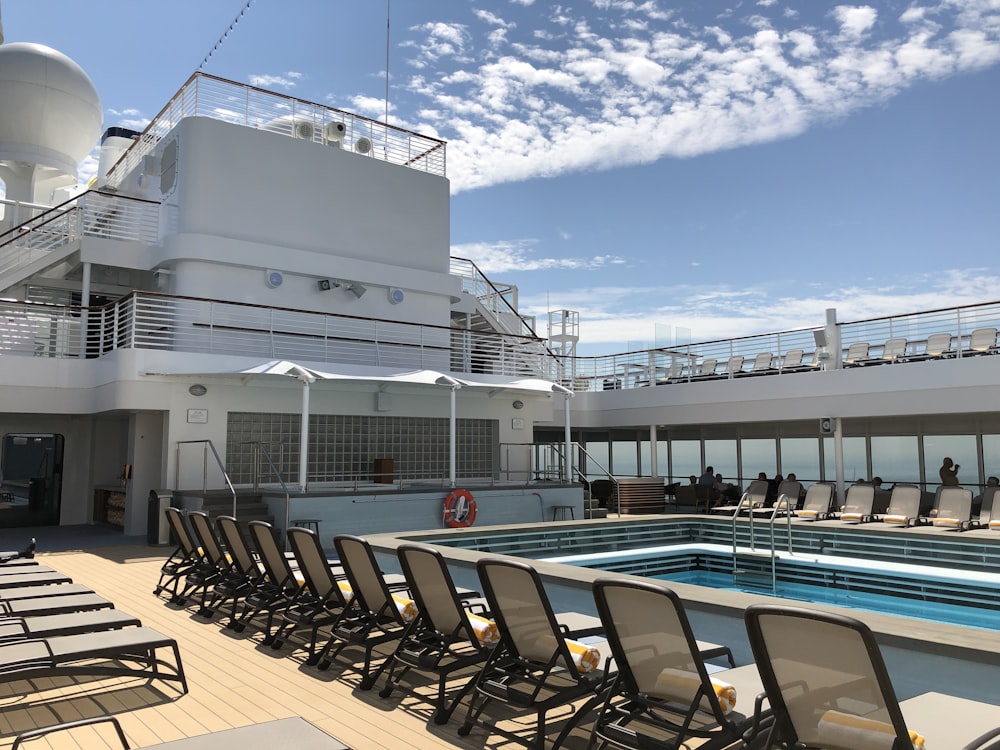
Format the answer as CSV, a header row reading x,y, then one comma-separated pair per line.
x,y
114,143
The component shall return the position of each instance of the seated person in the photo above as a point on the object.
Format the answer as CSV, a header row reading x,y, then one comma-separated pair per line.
x,y
726,493
977,501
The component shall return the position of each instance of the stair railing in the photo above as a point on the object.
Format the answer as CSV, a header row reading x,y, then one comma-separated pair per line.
x,y
206,447
260,450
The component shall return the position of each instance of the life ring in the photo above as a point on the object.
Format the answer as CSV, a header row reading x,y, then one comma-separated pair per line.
x,y
459,509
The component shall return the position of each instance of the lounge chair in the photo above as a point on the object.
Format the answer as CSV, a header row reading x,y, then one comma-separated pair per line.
x,y
106,653
182,560
41,592
244,572
663,695
43,577
46,626
762,364
33,569
858,504
938,346
988,517
982,341
894,350
447,636
318,602
372,616
537,666
707,368
276,589
954,509
215,564
904,506
734,366
829,688
53,605
753,499
857,354
294,732
19,557
791,491
816,506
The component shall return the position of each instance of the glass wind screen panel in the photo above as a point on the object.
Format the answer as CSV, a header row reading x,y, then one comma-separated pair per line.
x,y
855,460
961,449
598,461
991,455
895,459
662,460
721,456
685,459
624,458
800,456
758,455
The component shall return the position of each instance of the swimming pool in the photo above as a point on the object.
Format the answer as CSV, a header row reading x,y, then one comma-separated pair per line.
x,y
965,597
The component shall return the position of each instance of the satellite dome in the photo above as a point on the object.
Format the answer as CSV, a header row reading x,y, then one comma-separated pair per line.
x,y
50,113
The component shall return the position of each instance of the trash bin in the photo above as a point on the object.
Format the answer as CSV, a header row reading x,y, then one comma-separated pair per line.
x,y
157,529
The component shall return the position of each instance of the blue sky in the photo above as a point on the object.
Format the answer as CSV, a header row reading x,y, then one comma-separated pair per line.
x,y
726,168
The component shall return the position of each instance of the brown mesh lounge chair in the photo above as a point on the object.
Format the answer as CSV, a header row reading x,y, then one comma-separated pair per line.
x,y
182,560
244,573
858,504
829,688
373,614
446,636
215,564
816,506
128,652
751,500
17,570
663,696
46,626
318,602
279,734
537,666
954,509
276,589
904,506
37,606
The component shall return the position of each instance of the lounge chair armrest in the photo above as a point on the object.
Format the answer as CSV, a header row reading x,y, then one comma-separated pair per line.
x,y
980,743
34,734
762,719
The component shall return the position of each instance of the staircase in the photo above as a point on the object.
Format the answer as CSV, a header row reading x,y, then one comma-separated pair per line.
x,y
249,505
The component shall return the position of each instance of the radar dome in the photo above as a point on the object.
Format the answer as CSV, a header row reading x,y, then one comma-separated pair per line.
x,y
50,113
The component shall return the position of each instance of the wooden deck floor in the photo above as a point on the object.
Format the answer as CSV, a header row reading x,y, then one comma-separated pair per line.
x,y
234,681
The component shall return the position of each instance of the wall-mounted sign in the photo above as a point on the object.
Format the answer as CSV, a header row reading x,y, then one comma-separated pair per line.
x,y
197,416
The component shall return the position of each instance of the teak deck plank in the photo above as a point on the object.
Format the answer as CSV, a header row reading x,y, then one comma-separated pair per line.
x,y
233,680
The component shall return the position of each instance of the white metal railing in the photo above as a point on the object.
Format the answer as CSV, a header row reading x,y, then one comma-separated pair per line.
x,y
93,214
501,303
790,351
147,320
204,95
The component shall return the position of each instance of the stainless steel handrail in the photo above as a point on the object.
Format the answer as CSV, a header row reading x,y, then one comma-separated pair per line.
x,y
207,445
261,450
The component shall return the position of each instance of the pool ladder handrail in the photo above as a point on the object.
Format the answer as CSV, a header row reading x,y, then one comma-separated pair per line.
x,y
783,502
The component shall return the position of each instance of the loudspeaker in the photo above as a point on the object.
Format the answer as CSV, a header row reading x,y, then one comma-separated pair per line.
x,y
325,285
820,338
826,425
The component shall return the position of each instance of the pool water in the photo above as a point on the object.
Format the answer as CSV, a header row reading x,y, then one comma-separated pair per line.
x,y
960,597
958,614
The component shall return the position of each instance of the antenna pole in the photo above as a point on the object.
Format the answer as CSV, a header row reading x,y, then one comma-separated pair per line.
x,y
388,5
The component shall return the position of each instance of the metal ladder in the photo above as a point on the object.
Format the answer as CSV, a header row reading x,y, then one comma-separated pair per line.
x,y
754,576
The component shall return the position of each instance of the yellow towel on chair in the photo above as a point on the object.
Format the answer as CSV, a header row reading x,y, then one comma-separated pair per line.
x,y
487,632
904,520
851,517
407,608
681,686
859,733
585,658
951,523
807,515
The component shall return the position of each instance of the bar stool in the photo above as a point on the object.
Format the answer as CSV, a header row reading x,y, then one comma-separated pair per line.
x,y
560,511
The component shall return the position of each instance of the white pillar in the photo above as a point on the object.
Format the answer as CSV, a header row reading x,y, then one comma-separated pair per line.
x,y
568,463
838,447
452,439
84,313
304,437
654,469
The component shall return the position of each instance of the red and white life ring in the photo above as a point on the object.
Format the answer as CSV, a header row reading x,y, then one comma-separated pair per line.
x,y
459,509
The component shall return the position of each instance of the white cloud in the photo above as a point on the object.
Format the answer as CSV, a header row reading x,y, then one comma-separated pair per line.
x,y
627,87
283,80
518,255
612,316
